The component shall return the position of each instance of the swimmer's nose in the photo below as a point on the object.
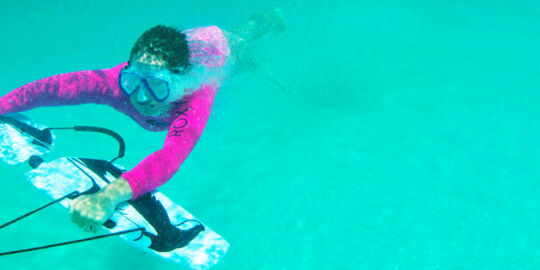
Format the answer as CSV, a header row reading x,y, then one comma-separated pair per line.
x,y
142,96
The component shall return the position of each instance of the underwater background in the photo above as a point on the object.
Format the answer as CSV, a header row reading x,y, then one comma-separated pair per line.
x,y
378,135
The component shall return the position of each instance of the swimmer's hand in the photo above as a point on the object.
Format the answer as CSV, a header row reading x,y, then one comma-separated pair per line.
x,y
91,211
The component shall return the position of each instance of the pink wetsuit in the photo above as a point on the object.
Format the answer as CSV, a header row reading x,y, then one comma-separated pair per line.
x,y
209,54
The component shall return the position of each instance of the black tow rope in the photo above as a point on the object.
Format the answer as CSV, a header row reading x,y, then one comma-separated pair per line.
x,y
71,195
71,242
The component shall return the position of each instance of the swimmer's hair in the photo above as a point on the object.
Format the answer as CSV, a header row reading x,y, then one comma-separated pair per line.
x,y
165,42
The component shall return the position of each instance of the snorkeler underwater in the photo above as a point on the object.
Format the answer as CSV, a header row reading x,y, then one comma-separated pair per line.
x,y
168,83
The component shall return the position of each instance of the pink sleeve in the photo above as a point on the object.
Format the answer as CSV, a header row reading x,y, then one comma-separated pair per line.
x,y
208,46
91,86
160,166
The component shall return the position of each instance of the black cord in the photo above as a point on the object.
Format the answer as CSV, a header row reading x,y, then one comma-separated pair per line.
x,y
116,136
71,242
71,195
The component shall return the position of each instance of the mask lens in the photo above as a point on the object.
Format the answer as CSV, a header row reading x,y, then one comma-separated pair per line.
x,y
129,82
159,87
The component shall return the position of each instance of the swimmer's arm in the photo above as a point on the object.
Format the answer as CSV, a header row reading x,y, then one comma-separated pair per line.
x,y
118,191
160,166
91,86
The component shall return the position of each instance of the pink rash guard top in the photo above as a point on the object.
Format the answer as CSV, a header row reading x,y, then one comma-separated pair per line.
x,y
209,55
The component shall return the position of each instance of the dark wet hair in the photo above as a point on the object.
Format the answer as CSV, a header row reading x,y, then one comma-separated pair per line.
x,y
165,42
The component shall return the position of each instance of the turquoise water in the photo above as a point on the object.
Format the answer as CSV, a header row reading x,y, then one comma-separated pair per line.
x,y
404,137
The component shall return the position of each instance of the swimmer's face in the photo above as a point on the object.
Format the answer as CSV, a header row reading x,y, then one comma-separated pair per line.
x,y
146,66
